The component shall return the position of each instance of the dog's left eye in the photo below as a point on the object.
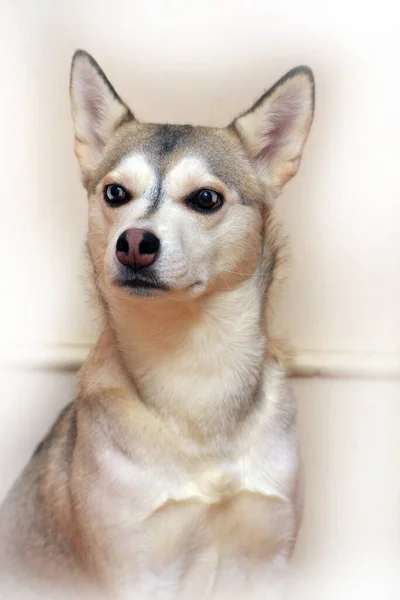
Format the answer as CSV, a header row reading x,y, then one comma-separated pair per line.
x,y
115,194
205,201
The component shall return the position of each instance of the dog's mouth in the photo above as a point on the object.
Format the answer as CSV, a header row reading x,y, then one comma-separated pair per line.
x,y
141,285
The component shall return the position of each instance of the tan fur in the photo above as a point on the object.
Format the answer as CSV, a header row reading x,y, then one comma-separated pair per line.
x,y
175,473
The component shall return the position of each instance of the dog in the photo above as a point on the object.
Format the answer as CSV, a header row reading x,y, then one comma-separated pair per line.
x,y
175,473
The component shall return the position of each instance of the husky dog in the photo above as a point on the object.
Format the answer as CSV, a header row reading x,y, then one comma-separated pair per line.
x,y
175,472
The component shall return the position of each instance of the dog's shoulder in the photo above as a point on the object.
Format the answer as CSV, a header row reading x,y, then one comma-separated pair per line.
x,y
64,423
30,537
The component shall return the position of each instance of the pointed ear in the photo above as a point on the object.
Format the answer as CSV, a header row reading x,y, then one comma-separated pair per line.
x,y
97,111
275,129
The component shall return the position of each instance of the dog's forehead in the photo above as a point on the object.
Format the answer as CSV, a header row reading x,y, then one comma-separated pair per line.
x,y
170,149
181,172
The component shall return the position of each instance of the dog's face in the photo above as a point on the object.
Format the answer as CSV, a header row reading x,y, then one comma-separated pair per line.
x,y
179,210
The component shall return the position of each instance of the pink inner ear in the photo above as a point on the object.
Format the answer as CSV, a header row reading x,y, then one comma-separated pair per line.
x,y
277,124
94,108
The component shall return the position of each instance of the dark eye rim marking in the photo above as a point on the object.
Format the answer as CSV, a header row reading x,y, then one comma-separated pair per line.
x,y
125,197
191,201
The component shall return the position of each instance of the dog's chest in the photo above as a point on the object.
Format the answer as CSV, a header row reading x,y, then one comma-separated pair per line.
x,y
218,516
196,533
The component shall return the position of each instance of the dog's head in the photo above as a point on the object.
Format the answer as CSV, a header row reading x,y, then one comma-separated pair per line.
x,y
177,209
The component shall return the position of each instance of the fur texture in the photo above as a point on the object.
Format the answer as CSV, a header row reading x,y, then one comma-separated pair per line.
x,y
175,472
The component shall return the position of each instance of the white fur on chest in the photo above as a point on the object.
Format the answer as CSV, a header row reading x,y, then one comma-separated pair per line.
x,y
214,542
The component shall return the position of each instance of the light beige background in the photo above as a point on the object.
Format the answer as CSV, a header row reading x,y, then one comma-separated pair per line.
x,y
203,62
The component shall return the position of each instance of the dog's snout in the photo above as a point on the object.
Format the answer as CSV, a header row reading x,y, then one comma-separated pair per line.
x,y
137,248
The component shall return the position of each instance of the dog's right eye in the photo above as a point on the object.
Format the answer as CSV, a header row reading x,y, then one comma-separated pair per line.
x,y
115,194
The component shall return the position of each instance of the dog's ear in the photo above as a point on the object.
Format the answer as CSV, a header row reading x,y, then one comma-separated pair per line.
x,y
97,111
275,129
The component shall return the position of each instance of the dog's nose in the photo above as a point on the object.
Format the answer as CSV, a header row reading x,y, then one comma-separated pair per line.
x,y
137,248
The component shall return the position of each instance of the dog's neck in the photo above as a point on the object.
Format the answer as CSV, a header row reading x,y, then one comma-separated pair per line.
x,y
199,362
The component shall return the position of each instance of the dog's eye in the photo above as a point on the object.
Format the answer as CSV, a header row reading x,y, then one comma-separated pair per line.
x,y
205,201
115,194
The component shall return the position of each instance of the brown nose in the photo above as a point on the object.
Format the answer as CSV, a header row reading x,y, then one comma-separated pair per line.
x,y
137,248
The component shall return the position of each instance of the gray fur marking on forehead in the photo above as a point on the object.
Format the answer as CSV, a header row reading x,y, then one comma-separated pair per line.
x,y
169,138
155,198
